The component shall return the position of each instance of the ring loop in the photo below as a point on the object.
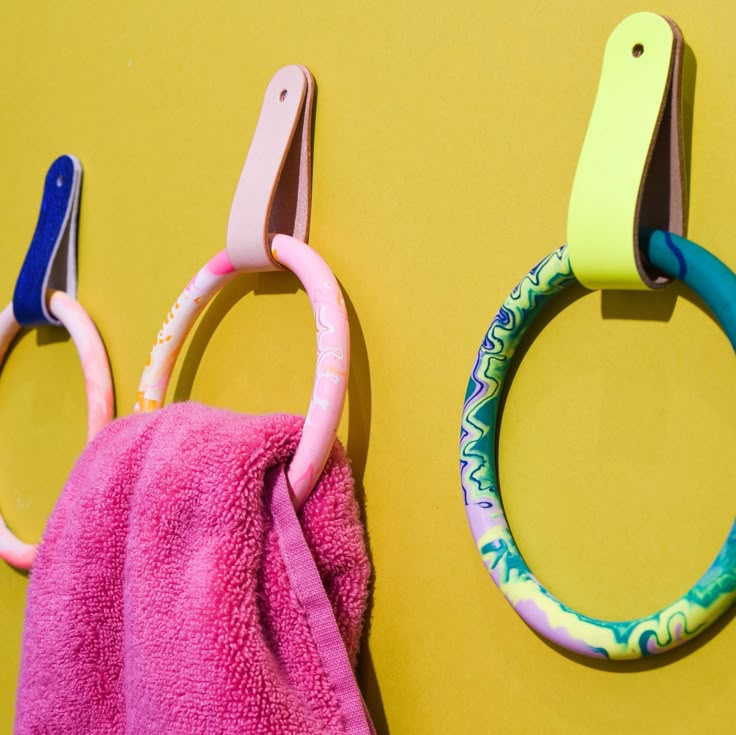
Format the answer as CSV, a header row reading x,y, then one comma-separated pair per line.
x,y
98,386
671,626
333,351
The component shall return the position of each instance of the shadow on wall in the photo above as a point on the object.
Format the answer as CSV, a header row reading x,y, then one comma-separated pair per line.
x,y
659,305
649,663
213,315
359,425
359,429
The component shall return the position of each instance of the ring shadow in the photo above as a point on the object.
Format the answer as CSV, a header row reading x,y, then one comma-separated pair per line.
x,y
20,337
217,310
646,306
47,335
359,424
54,335
44,335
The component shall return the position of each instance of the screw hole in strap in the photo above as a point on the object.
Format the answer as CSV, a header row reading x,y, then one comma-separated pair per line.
x,y
710,596
333,351
640,153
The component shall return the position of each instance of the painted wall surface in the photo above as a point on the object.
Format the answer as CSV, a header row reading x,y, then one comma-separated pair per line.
x,y
445,146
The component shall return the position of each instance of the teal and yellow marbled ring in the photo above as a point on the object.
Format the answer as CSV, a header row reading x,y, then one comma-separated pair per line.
x,y
712,593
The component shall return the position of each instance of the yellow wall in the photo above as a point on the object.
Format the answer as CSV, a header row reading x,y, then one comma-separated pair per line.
x,y
446,141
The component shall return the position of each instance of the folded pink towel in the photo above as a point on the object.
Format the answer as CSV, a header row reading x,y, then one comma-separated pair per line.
x,y
172,593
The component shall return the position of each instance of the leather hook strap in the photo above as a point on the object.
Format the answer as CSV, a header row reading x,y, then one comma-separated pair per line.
x,y
631,171
51,260
273,193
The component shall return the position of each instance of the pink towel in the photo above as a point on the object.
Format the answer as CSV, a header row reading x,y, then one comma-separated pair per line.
x,y
173,592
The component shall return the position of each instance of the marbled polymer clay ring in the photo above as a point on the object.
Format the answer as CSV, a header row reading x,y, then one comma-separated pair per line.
x,y
333,351
709,597
98,384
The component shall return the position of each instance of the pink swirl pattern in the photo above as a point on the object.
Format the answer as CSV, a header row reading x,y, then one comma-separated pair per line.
x,y
177,325
98,386
333,362
333,351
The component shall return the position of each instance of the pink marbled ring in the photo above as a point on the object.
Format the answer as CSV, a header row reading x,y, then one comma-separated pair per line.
x,y
98,384
333,351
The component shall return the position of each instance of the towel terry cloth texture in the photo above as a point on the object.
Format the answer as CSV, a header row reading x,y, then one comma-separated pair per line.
x,y
164,598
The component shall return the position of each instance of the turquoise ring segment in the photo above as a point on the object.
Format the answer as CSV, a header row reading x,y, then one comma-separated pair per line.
x,y
709,597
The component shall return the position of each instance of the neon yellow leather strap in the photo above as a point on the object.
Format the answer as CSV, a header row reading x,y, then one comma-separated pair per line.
x,y
641,66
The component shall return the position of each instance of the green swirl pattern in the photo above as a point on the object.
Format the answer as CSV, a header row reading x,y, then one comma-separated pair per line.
x,y
671,626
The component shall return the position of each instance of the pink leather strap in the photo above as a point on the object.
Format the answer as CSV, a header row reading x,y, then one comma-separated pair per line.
x,y
273,194
272,197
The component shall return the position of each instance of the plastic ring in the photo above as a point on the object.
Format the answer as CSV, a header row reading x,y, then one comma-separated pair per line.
x,y
333,351
671,626
98,385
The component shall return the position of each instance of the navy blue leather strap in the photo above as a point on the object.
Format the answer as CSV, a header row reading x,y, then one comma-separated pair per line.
x,y
51,260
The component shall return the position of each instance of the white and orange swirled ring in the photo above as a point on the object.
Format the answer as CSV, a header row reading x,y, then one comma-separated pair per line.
x,y
333,351
98,385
